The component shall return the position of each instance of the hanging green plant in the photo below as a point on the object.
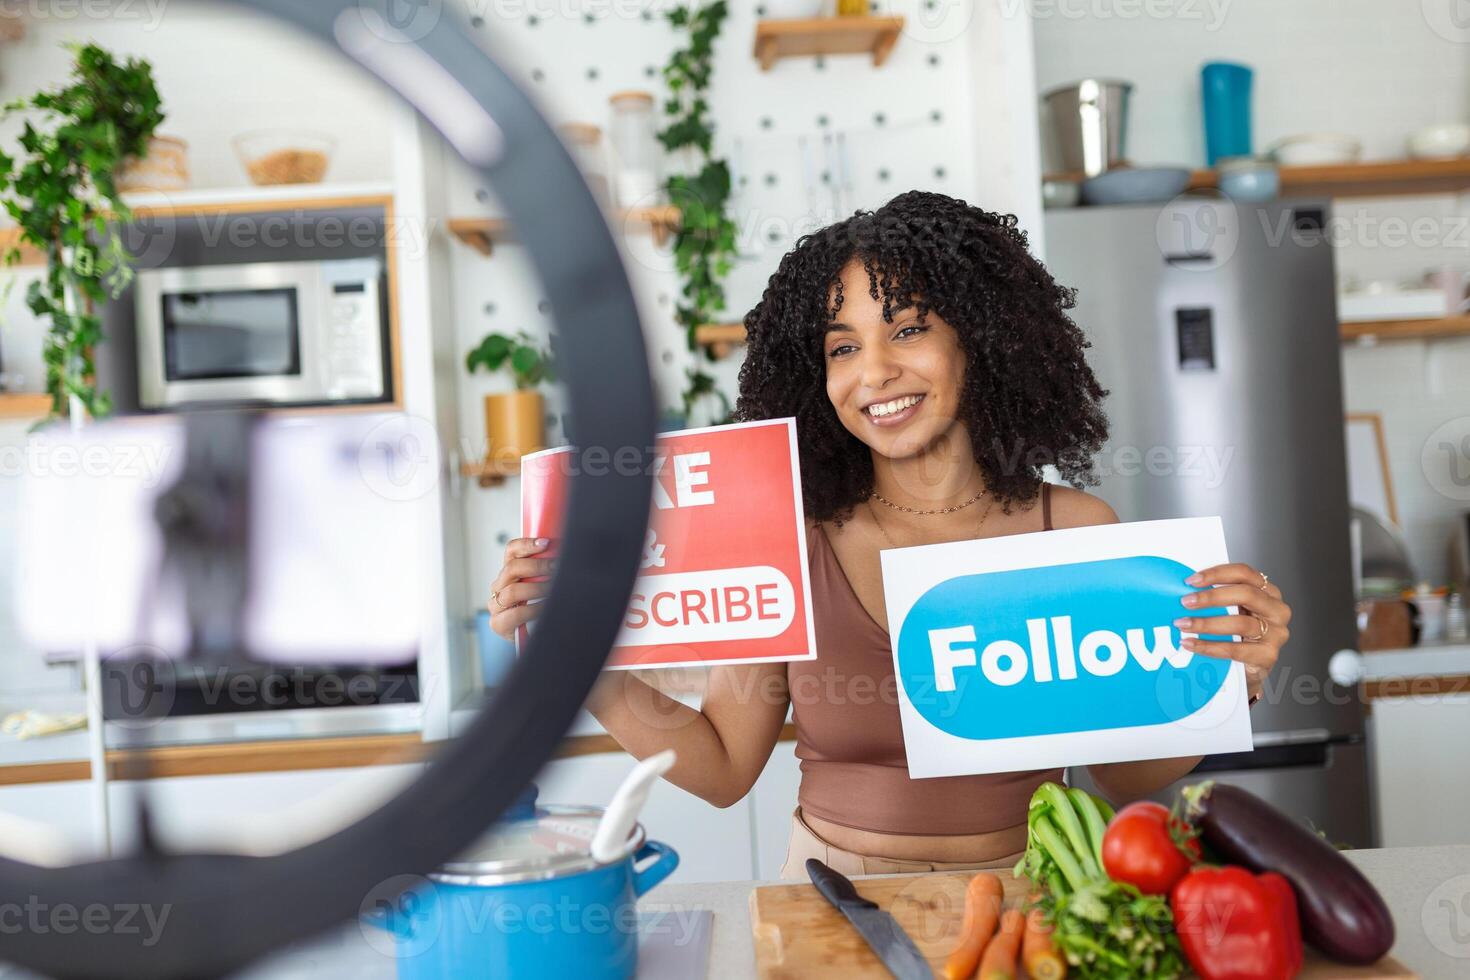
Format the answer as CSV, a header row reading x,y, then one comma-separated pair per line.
x,y
704,245
59,189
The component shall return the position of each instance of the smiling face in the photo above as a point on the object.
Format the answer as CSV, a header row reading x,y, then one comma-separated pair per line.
x,y
896,386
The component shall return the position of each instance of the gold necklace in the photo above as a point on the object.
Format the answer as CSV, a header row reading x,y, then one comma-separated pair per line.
x,y
927,513
882,530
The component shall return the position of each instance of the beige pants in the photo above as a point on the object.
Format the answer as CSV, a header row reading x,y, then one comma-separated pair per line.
x,y
806,844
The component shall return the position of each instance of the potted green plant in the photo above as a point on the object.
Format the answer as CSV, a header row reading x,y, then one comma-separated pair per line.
x,y
60,189
515,421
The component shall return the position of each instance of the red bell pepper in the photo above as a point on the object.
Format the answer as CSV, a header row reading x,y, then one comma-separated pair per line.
x,y
1234,925
1290,923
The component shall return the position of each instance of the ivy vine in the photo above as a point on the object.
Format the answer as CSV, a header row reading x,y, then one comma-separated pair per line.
x,y
60,190
704,245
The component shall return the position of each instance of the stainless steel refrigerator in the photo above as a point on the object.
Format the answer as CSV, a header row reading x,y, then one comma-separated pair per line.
x,y
1214,327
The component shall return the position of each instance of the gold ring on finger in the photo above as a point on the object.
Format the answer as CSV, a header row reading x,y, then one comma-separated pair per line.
x,y
1265,628
495,598
1265,581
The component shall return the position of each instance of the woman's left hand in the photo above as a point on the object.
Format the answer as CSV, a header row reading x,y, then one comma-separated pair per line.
x,y
1261,623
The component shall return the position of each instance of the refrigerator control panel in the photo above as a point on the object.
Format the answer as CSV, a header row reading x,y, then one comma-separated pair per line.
x,y
1195,326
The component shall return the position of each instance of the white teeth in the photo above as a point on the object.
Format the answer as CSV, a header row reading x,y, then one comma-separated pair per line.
x,y
897,405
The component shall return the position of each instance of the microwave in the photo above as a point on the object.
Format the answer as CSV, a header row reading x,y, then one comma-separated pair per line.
x,y
283,333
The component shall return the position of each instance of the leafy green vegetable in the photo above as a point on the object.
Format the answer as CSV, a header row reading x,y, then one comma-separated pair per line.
x,y
1050,840
1107,930
1066,819
1092,818
59,189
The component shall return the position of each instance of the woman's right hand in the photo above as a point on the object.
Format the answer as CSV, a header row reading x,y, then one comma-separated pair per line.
x,y
509,593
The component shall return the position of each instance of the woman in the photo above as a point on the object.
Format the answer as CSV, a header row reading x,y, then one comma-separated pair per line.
x,y
933,370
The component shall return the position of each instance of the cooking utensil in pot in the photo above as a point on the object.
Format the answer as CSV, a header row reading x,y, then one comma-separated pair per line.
x,y
622,813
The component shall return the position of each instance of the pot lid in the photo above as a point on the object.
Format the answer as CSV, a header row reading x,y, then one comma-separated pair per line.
x,y
547,842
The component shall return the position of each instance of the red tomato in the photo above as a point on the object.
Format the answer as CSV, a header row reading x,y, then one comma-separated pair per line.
x,y
1139,848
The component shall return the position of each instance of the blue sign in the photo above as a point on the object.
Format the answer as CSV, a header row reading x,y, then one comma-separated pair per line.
x,y
1056,649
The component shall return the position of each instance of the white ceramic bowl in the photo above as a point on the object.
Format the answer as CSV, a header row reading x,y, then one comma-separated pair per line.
x,y
1135,185
1440,142
1060,193
1315,149
1248,178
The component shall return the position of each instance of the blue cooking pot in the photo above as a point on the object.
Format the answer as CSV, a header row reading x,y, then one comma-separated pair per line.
x,y
529,900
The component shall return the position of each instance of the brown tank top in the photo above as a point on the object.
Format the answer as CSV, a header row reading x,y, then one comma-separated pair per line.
x,y
848,735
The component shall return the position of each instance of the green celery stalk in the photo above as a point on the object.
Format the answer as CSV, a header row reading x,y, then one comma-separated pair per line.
x,y
1092,820
1066,819
1056,847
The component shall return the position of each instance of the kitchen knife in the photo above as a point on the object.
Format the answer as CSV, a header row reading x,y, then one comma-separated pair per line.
x,y
882,933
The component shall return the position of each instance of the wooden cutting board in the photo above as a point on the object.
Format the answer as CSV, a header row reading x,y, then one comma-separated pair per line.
x,y
798,934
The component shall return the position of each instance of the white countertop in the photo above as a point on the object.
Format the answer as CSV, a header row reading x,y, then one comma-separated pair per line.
x,y
1427,889
1438,660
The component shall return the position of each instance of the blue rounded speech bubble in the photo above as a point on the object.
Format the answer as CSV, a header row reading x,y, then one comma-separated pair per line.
x,y
1056,649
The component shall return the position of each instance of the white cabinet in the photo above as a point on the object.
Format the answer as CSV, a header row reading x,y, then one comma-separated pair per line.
x,y
64,809
269,810
1418,747
198,812
772,800
201,812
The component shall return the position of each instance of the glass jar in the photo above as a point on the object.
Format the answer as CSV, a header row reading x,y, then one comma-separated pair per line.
x,y
1456,627
635,150
584,140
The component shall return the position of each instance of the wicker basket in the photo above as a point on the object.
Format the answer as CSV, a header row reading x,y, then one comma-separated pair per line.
x,y
165,168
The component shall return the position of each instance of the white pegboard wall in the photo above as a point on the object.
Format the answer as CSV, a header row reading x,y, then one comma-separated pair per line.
x,y
807,142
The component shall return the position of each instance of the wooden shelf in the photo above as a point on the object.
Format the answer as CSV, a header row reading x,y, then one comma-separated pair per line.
x,y
17,405
232,200
1376,330
246,198
29,254
1382,178
481,234
804,37
280,755
720,338
491,472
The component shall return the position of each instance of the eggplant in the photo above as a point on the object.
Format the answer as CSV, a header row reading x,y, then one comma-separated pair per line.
x,y
1341,912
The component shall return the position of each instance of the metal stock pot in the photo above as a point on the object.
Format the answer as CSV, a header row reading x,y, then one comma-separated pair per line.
x,y
529,900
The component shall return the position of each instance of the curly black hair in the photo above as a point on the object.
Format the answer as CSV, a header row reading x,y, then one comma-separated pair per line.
x,y
1029,396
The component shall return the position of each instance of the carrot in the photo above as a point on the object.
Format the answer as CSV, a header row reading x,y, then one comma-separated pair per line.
x,y
982,907
1040,955
999,962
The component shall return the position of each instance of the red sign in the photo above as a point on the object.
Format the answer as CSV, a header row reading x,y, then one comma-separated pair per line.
x,y
723,577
